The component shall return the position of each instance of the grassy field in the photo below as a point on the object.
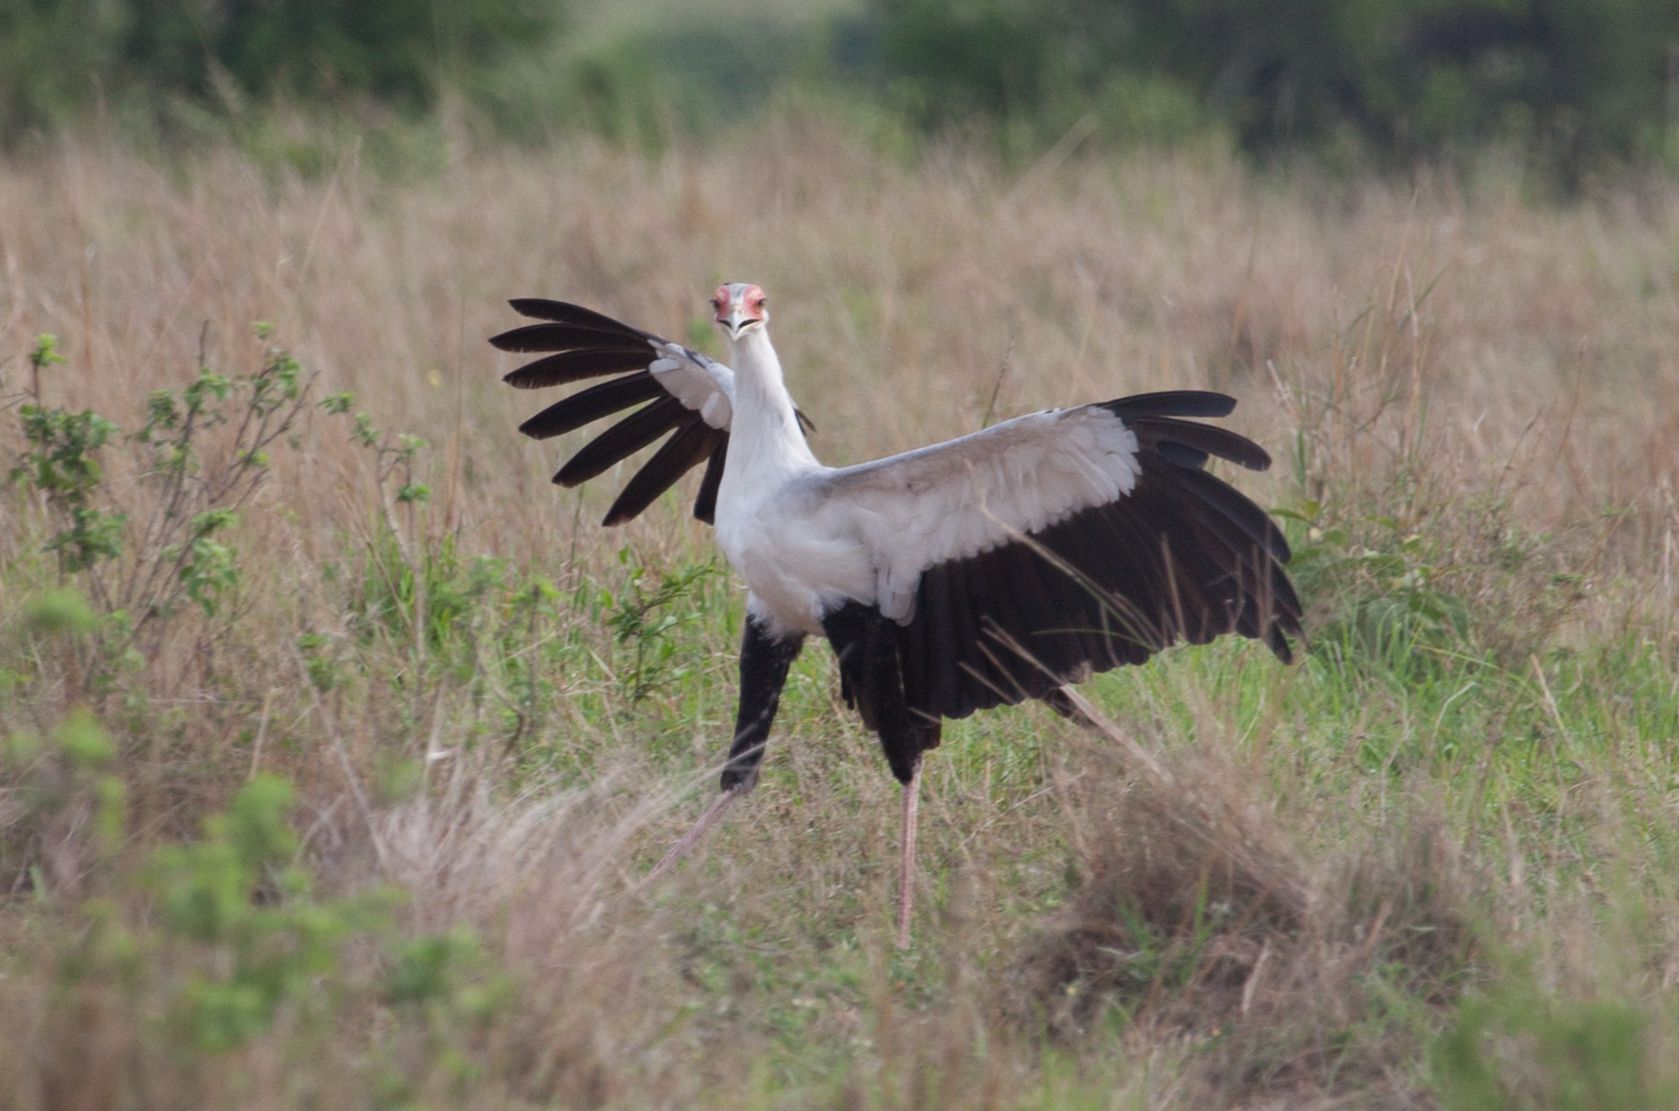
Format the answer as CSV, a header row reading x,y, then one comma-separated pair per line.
x,y
336,739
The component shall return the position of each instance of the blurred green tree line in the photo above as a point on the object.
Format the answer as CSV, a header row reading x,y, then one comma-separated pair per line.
x,y
60,59
1570,82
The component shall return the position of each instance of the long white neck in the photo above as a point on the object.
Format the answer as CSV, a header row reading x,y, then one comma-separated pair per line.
x,y
764,436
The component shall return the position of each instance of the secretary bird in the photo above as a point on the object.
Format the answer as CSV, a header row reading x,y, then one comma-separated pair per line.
x,y
988,569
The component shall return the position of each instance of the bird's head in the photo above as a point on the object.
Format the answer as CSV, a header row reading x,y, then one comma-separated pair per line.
x,y
741,307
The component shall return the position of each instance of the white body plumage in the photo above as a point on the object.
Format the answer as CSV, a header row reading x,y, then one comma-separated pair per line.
x,y
808,538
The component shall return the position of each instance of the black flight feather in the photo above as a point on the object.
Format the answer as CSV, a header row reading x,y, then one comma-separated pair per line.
x,y
705,503
574,366
680,454
563,312
1171,403
622,440
1206,439
591,404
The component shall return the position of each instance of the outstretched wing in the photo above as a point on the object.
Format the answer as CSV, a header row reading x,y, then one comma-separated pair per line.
x,y
678,391
1066,542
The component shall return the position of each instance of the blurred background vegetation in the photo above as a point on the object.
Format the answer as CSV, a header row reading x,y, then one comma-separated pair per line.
x,y
1567,87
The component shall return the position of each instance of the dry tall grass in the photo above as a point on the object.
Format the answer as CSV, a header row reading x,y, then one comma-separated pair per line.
x,y
1267,903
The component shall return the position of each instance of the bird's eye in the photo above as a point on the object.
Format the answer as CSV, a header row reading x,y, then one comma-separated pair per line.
x,y
716,305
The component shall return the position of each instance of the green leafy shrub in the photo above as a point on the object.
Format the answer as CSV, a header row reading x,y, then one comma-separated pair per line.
x,y
239,937
647,616
1520,1047
61,461
240,913
159,542
63,805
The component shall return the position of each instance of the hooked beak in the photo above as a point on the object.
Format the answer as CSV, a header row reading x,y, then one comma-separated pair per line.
x,y
734,320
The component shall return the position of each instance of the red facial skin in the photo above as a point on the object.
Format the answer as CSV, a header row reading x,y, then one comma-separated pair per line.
x,y
752,303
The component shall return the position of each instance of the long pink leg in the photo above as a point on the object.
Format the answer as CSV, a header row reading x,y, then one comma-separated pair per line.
x,y
906,864
692,837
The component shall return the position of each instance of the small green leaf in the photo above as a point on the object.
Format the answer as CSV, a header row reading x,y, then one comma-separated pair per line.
x,y
83,741
62,610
